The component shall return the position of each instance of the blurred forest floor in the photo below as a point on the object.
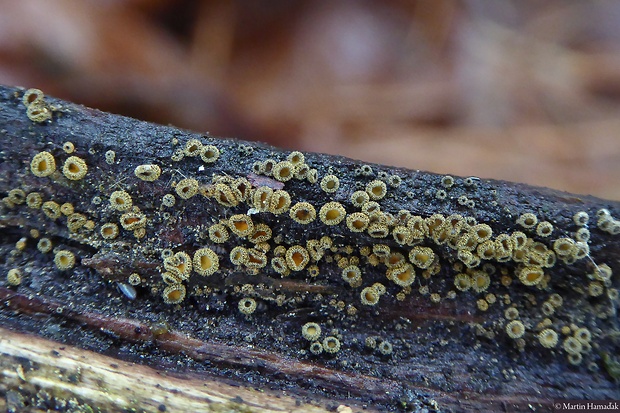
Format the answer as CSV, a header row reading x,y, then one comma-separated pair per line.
x,y
520,90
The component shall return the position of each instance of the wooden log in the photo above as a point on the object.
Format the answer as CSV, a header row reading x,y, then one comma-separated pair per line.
x,y
335,282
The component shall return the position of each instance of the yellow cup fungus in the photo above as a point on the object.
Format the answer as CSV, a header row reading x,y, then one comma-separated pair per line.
x,y
357,222
14,277
121,201
302,213
43,164
131,221
283,171
209,154
247,305
330,183
376,190
179,264
297,257
174,294
311,331
187,188
241,225
44,245
531,275
193,147
280,202
296,158
148,173
331,344
74,168
238,255
548,338
64,260
515,329
403,275
206,262
370,296
218,233
352,274
544,229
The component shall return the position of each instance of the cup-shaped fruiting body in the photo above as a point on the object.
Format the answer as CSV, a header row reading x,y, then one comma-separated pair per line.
x,y
296,158
564,247
218,233
330,183
581,218
311,331
261,233
462,282
531,275
357,222
280,202
297,257
148,173
74,168
316,348
51,209
174,293
352,274
376,190
193,147
14,277
583,335
421,257
33,96
544,229
447,181
527,220
331,344
283,171
261,199
511,313
134,279
34,200
332,213
121,201
385,348
370,296
359,198
515,329
179,264
44,245
572,346
110,157
39,112
480,281
241,225
209,154
187,188
247,305
401,234
168,200
378,230
403,275
303,213
206,262
43,164
64,260
238,255
256,258
17,196
75,222
225,195
132,221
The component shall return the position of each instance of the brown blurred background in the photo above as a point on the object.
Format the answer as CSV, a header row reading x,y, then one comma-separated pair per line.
x,y
520,90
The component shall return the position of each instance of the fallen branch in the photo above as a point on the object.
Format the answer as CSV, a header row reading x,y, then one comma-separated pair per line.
x,y
333,281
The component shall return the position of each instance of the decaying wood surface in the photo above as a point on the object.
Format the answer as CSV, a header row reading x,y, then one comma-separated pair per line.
x,y
185,341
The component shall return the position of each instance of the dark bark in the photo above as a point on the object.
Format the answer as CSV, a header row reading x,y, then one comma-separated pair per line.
x,y
448,355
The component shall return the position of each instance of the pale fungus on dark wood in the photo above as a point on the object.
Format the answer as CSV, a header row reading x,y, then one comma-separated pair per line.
x,y
338,282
